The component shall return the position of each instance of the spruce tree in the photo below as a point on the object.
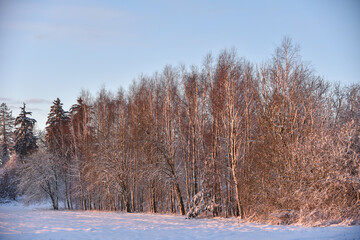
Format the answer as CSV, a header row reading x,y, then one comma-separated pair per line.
x,y
57,129
25,140
6,134
58,140
80,115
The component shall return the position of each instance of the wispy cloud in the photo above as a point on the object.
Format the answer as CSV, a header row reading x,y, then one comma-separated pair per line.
x,y
50,31
10,100
81,23
35,101
35,110
89,13
2,99
38,101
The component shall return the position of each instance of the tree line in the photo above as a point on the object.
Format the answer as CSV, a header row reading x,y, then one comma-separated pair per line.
x,y
274,142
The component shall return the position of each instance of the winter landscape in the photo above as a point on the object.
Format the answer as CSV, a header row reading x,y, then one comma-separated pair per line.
x,y
38,222
100,138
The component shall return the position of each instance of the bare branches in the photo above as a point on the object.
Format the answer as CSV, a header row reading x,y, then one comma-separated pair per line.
x,y
274,143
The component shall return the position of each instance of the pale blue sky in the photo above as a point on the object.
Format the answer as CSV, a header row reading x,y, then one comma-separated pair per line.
x,y
51,49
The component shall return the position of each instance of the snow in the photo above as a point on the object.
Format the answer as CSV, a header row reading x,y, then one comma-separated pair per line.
x,y
39,222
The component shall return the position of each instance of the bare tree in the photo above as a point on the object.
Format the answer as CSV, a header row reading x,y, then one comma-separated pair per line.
x,y
40,178
276,143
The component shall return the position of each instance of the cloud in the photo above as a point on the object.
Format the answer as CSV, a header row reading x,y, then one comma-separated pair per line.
x,y
37,101
2,99
27,101
35,109
89,13
10,100
48,31
79,23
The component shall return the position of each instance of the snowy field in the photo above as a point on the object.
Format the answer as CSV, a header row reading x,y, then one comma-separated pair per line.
x,y
38,222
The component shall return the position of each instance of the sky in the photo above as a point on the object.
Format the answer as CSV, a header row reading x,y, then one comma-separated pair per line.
x,y
54,49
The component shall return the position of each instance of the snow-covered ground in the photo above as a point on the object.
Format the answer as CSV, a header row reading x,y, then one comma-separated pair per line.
x,y
39,222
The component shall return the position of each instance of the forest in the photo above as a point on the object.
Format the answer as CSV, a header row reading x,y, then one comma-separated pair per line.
x,y
272,142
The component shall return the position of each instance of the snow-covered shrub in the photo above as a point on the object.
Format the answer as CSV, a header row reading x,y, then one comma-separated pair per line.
x,y
201,202
284,217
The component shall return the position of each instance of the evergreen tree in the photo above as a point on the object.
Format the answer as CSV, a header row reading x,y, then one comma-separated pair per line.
x,y
25,140
58,140
57,129
6,128
80,115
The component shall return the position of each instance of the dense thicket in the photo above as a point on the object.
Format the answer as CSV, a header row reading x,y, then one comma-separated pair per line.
x,y
274,142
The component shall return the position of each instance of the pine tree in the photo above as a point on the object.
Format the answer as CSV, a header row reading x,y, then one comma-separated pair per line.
x,y
25,140
6,128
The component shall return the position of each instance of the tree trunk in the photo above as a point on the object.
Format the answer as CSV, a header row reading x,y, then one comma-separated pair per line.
x,y
179,199
239,205
152,196
132,194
